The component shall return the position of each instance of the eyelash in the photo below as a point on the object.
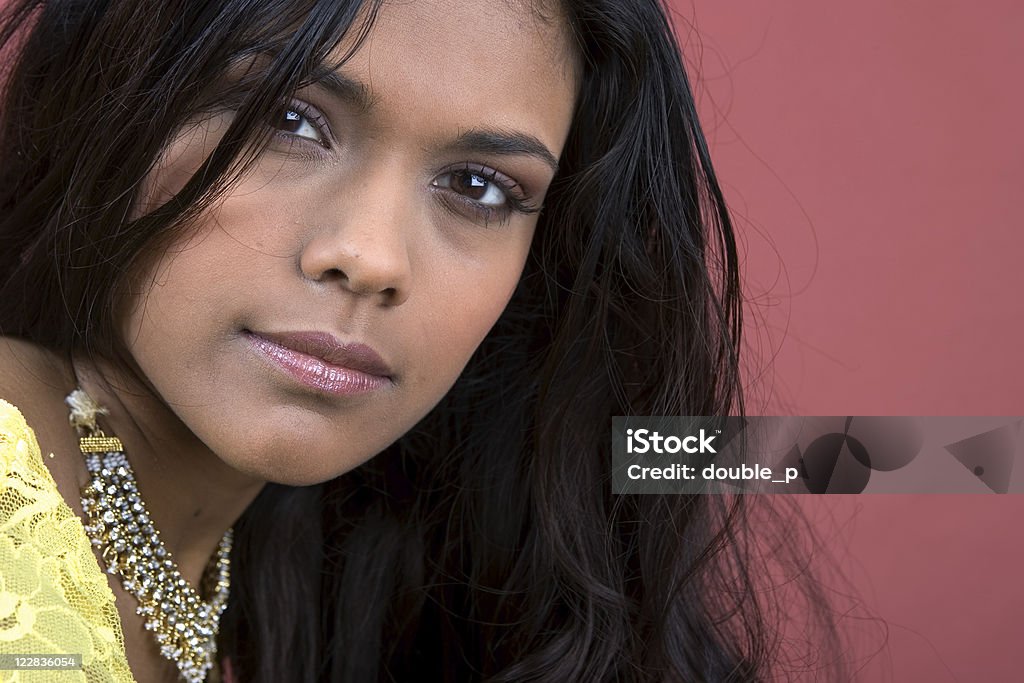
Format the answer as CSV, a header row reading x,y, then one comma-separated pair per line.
x,y
509,188
454,200
313,116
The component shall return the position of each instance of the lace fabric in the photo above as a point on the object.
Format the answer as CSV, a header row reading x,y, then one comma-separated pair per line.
x,y
54,598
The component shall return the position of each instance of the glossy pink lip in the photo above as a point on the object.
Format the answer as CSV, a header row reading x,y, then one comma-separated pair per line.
x,y
319,360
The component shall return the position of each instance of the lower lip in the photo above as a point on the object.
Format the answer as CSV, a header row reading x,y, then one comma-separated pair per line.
x,y
314,372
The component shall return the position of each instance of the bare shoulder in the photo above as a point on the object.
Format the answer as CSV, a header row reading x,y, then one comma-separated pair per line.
x,y
36,380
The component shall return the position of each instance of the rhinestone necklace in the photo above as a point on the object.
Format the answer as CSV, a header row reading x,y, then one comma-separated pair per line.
x,y
185,626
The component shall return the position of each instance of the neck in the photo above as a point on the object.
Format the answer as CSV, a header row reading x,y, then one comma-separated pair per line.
x,y
192,496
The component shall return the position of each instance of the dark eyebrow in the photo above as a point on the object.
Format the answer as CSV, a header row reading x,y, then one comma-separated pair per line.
x,y
502,142
344,88
476,140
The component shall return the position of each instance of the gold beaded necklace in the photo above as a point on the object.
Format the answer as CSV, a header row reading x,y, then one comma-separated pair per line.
x,y
184,625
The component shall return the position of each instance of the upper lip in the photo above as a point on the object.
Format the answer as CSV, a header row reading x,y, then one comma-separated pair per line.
x,y
329,349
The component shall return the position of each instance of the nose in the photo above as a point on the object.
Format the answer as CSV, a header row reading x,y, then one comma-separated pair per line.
x,y
363,247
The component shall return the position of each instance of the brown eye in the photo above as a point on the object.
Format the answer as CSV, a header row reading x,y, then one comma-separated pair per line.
x,y
294,121
473,185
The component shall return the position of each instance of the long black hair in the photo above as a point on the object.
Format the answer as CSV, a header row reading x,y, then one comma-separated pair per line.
x,y
486,543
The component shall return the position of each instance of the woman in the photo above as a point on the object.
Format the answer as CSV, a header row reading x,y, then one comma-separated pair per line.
x,y
359,287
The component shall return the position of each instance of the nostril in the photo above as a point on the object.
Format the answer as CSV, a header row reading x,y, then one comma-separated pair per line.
x,y
333,274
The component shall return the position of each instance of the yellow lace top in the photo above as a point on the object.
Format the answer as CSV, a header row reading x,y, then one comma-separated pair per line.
x,y
54,598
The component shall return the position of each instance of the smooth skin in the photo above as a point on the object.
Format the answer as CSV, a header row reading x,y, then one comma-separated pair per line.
x,y
377,215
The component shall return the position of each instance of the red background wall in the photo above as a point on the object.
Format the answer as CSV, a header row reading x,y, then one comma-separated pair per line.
x,y
872,155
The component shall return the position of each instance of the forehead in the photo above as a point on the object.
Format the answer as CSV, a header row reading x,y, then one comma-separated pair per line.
x,y
504,61
502,24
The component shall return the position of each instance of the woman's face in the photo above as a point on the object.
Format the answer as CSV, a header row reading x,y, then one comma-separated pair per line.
x,y
331,299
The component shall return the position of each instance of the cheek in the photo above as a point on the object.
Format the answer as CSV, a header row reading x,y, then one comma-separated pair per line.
x,y
472,299
182,301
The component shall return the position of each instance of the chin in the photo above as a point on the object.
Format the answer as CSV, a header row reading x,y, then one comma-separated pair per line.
x,y
294,466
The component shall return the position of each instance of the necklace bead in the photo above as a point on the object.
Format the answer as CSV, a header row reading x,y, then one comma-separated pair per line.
x,y
184,625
